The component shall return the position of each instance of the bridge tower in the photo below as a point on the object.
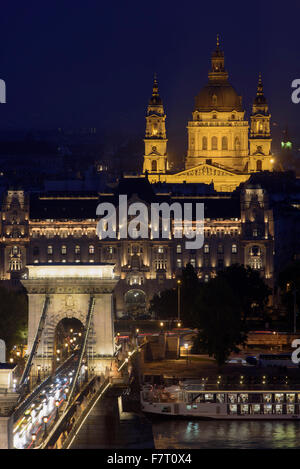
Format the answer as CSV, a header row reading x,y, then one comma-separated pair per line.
x,y
60,291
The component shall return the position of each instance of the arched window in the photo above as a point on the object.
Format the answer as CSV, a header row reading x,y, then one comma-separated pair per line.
x,y
214,143
234,249
135,297
154,166
204,143
258,165
15,250
224,143
237,143
206,248
15,264
255,259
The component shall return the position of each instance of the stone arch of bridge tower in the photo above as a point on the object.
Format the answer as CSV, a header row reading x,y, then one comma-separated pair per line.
x,y
52,321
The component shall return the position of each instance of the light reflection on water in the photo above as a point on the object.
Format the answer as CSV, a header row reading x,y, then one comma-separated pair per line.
x,y
193,434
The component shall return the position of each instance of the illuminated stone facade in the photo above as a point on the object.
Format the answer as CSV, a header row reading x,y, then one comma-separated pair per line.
x,y
219,147
60,230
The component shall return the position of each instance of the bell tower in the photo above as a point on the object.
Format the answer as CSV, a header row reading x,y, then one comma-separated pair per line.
x,y
155,158
260,137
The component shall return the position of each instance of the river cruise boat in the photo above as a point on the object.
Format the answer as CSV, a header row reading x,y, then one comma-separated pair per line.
x,y
196,401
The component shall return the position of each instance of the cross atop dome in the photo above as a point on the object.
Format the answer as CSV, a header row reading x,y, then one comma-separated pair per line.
x,y
217,71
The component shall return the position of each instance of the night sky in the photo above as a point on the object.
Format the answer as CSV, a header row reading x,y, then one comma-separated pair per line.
x,y
90,63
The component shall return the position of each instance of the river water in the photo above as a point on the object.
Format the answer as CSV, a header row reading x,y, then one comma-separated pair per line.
x,y
200,434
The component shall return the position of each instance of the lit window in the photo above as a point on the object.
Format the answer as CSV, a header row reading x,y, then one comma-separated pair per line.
x,y
77,249
206,248
50,249
234,249
220,248
178,248
193,262
63,249
179,263
206,278
91,249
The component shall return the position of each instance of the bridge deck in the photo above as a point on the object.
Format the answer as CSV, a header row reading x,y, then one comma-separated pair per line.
x,y
104,429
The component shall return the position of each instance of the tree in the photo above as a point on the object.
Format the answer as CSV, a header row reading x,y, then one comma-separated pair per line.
x,y
219,320
249,287
165,304
190,286
289,284
13,317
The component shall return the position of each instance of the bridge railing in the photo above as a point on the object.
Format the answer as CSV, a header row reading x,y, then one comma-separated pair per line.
x,y
36,342
83,347
73,415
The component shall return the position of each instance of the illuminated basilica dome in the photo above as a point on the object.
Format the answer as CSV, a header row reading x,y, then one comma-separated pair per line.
x,y
218,97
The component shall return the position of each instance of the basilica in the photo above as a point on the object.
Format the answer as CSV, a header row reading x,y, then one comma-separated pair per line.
x,y
223,148
251,213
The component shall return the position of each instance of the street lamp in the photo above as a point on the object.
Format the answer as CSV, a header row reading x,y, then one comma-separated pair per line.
x,y
178,299
291,288
39,373
186,346
33,438
57,406
45,420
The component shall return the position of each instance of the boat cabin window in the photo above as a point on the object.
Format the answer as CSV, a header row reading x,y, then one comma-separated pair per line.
x,y
290,397
290,409
279,397
267,397
278,408
232,398
243,398
268,409
233,408
256,409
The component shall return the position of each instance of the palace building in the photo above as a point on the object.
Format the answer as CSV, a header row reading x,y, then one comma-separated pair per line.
x,y
222,148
